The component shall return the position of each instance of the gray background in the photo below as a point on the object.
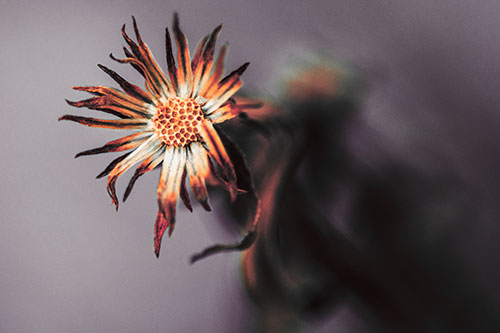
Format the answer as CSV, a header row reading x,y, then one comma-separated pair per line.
x,y
70,263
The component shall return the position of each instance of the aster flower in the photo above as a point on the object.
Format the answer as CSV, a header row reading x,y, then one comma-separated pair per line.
x,y
173,119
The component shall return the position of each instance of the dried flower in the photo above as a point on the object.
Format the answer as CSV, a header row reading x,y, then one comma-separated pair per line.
x,y
173,118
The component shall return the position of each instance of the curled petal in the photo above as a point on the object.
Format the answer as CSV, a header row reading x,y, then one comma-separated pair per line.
x,y
161,226
145,150
198,170
129,54
147,165
243,244
218,153
112,165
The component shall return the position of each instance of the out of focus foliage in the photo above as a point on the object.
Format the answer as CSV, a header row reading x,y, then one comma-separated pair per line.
x,y
335,230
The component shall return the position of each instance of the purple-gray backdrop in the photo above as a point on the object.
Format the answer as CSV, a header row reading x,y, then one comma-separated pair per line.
x,y
70,263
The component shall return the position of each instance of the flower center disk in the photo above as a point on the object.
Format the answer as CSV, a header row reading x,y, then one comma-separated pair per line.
x,y
177,122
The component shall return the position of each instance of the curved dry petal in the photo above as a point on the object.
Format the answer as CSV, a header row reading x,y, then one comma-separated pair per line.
x,y
125,143
168,190
112,165
142,152
197,54
226,88
172,69
147,165
184,194
209,83
128,87
204,66
198,170
218,153
184,72
225,112
151,83
141,52
107,123
109,98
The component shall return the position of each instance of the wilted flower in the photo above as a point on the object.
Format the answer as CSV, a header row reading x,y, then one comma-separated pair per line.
x,y
173,118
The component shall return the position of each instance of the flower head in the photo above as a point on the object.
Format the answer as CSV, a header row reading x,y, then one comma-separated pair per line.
x,y
173,119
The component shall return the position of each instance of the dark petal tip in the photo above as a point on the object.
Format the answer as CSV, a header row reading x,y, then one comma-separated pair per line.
x,y
206,206
243,68
115,58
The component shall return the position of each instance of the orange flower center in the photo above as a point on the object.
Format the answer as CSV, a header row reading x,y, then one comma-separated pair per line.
x,y
176,122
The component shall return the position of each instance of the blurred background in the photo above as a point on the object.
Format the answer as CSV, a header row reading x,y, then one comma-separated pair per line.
x,y
390,217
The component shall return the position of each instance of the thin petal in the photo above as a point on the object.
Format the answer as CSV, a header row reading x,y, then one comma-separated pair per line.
x,y
128,87
161,226
151,83
112,99
106,123
147,165
168,190
171,176
184,72
125,143
198,170
141,52
198,53
198,65
172,70
226,88
129,54
184,194
210,83
204,65
218,153
141,153
112,165
225,112
148,59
